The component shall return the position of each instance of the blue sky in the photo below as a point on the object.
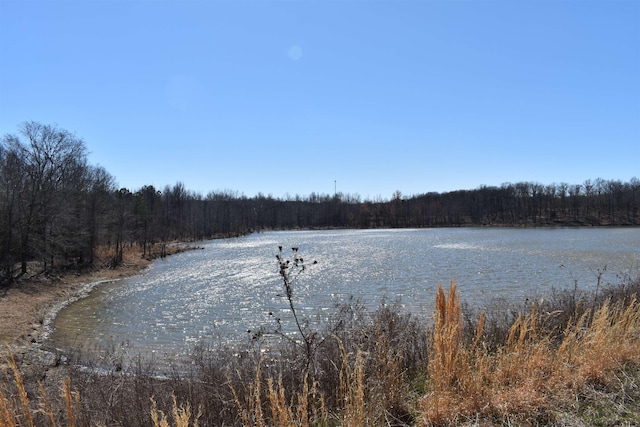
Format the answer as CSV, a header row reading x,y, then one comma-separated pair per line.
x,y
290,97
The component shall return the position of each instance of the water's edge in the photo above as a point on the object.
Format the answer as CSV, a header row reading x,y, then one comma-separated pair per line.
x,y
83,292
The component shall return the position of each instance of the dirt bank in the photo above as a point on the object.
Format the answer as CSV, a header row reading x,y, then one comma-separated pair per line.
x,y
24,307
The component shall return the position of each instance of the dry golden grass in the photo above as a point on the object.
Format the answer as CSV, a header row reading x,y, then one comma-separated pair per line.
x,y
535,375
351,393
17,410
529,374
306,408
445,363
270,406
181,415
250,408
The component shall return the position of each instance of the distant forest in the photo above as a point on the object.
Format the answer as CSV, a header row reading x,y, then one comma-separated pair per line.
x,y
58,210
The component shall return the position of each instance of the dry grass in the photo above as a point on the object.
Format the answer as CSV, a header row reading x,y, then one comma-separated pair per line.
x,y
181,415
351,393
274,405
445,363
380,369
530,375
16,408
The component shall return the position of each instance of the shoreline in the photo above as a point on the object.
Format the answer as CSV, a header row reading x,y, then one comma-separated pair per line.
x,y
81,293
29,307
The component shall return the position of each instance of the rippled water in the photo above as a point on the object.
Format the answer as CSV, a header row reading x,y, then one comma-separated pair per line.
x,y
230,286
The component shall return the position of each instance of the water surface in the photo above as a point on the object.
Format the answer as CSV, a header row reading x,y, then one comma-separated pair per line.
x,y
231,286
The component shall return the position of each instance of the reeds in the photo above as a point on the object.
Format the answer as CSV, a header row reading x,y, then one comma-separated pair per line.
x,y
531,373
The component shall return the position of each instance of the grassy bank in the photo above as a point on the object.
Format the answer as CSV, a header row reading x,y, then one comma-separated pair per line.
x,y
570,360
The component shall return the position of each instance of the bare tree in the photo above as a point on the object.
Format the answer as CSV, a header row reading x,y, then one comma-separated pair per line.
x,y
51,161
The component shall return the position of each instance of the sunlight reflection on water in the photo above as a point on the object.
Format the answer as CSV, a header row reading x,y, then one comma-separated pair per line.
x,y
230,287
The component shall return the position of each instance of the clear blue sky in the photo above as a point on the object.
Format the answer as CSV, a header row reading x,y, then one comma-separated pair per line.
x,y
289,96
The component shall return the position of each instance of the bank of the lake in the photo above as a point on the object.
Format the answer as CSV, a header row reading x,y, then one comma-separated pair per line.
x,y
31,303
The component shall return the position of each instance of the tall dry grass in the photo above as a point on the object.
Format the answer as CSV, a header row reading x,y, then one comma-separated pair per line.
x,y
17,409
274,405
531,373
353,408
181,415
445,363
386,368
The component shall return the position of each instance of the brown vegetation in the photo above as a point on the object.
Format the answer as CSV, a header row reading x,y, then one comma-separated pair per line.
x,y
569,361
17,409
534,370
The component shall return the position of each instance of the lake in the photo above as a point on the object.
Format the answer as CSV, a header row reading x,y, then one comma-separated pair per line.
x,y
231,285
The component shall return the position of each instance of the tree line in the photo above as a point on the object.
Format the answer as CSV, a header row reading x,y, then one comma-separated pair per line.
x,y
58,210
